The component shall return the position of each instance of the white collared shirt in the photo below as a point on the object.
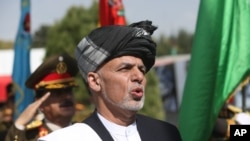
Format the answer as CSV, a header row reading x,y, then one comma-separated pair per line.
x,y
75,132
82,131
52,126
121,133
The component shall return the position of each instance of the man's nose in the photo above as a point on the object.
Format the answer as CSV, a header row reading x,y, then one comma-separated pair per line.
x,y
137,75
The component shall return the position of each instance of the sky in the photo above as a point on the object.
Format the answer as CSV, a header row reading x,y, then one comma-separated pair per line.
x,y
169,15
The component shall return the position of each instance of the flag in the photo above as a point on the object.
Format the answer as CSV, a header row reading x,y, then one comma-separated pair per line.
x,y
219,63
111,12
21,67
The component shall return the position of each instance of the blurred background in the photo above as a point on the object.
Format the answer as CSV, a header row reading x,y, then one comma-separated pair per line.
x,y
57,26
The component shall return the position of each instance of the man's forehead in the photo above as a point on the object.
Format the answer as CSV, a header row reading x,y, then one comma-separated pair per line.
x,y
125,60
122,61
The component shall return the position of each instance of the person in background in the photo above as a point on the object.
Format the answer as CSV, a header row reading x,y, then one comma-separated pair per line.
x,y
53,82
3,130
229,115
7,111
3,127
113,61
10,103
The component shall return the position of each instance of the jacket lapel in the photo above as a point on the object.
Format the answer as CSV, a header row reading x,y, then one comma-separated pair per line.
x,y
94,122
142,129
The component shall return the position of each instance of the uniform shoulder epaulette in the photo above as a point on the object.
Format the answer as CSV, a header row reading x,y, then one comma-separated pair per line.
x,y
234,109
34,124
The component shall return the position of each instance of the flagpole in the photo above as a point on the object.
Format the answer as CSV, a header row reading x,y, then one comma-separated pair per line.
x,y
244,98
244,86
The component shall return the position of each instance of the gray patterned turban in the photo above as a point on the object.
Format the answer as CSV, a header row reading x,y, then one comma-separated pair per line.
x,y
108,42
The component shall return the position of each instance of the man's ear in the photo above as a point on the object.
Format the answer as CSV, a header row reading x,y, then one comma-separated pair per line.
x,y
94,81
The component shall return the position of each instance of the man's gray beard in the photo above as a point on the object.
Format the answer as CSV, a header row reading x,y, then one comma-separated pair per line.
x,y
126,103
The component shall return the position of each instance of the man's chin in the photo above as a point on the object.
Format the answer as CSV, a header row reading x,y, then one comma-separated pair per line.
x,y
135,108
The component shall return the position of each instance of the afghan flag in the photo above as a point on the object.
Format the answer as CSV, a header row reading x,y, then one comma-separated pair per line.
x,y
111,12
21,67
220,61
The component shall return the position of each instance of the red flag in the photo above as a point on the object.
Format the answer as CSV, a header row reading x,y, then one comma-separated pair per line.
x,y
111,12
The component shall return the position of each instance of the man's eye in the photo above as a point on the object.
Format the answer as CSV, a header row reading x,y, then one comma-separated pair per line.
x,y
123,69
143,71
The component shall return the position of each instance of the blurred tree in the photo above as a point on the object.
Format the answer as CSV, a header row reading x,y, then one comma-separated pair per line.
x,y
184,41
65,34
39,38
6,44
153,103
163,46
172,45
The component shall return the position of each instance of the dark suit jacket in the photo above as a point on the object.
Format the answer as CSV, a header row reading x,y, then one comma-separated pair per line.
x,y
149,129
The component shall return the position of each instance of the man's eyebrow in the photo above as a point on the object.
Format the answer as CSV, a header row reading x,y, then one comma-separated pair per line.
x,y
127,63
131,64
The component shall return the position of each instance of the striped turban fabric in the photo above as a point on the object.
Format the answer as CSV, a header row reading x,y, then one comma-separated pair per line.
x,y
108,42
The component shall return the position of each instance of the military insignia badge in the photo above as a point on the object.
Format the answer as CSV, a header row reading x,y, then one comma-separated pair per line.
x,y
42,132
61,66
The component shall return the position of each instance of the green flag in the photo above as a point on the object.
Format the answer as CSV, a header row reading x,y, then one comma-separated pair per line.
x,y
220,60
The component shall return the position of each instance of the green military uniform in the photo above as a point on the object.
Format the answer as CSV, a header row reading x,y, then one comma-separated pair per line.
x,y
29,134
4,126
55,73
6,111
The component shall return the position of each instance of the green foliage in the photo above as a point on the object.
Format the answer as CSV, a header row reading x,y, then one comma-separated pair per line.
x,y
163,46
180,44
66,34
81,91
39,38
184,40
153,104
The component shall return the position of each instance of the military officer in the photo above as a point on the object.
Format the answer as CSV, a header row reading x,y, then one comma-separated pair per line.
x,y
53,82
6,111
229,115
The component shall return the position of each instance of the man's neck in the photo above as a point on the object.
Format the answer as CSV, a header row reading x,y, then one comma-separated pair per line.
x,y
119,119
54,125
